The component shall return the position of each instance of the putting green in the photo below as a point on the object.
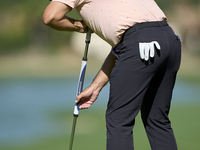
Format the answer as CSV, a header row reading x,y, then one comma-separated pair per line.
x,y
90,131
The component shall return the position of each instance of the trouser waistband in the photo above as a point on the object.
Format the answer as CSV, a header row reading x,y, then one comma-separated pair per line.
x,y
144,25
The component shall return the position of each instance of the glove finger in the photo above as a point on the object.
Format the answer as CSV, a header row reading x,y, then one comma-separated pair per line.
x,y
157,45
146,51
141,50
152,51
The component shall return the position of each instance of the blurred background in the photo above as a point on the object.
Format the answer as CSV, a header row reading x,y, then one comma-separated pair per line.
x,y
39,69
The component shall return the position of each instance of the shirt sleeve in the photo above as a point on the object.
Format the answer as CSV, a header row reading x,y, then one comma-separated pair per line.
x,y
71,3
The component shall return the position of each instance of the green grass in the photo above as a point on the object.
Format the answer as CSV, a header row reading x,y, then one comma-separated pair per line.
x,y
90,131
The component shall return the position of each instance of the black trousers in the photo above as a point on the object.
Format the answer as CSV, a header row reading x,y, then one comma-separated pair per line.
x,y
136,85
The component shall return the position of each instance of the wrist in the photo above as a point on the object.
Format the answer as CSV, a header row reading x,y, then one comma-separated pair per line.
x,y
96,86
100,81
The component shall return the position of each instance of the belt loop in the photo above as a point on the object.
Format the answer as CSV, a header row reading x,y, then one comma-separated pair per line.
x,y
160,25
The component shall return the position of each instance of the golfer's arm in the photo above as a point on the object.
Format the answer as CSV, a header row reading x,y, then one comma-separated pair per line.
x,y
55,17
104,74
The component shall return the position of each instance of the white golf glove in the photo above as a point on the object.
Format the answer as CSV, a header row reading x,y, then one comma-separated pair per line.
x,y
147,49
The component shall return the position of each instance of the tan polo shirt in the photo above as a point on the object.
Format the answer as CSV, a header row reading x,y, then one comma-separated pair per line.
x,y
110,18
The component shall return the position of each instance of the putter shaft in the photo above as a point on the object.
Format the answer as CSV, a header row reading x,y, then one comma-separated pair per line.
x,y
72,133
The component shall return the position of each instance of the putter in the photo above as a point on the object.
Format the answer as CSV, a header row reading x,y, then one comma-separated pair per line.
x,y
80,86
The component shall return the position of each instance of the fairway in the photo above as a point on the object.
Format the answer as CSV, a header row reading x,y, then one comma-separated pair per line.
x,y
91,132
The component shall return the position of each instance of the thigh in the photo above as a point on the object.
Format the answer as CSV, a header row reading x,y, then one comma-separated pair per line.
x,y
124,104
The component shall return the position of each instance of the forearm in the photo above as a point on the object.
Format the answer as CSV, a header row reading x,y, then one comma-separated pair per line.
x,y
55,17
90,94
66,24
104,74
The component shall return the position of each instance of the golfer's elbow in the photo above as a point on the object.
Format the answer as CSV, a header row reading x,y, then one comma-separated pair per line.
x,y
48,18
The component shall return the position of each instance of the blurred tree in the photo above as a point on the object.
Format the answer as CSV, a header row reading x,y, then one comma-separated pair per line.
x,y
21,25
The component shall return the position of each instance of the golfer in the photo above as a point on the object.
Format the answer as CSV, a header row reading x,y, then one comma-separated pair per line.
x,y
141,66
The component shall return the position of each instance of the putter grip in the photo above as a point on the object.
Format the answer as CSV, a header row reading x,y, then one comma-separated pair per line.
x,y
80,85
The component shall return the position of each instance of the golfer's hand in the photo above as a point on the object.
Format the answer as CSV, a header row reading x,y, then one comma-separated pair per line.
x,y
148,49
80,26
87,97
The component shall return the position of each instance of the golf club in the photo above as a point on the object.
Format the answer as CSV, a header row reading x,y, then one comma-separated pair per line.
x,y
80,86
